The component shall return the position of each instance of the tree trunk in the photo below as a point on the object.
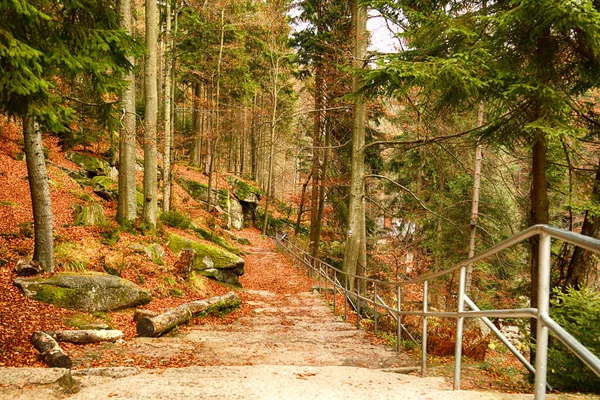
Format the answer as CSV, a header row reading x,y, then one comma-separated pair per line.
x,y
581,261
355,239
43,250
301,207
253,141
156,326
168,57
127,203
86,336
196,126
150,118
474,203
274,98
50,351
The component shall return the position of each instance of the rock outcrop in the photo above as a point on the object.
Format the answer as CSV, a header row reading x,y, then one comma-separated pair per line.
x,y
210,261
243,205
85,291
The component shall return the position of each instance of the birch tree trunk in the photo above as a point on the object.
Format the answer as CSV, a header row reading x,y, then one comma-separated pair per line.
x,y
356,241
43,250
150,118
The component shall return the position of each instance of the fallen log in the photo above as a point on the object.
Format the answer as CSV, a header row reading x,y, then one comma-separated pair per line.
x,y
86,336
141,313
50,351
156,326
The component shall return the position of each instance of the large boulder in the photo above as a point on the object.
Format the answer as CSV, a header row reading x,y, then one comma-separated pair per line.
x,y
210,261
199,191
85,291
236,214
248,197
89,214
92,165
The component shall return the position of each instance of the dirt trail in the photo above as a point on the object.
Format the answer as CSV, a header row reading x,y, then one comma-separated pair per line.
x,y
284,343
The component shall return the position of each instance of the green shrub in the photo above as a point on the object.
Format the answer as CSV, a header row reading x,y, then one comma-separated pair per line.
x,y
176,219
578,311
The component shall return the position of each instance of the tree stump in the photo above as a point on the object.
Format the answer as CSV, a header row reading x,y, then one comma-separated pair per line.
x,y
156,326
50,351
185,261
86,336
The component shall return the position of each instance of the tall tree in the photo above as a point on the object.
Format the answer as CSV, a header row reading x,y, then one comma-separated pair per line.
x,y
33,71
127,203
168,62
355,252
150,117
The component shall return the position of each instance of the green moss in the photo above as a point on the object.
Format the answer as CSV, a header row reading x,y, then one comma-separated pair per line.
x,y
174,292
104,182
92,164
89,214
85,321
8,203
219,258
175,219
195,189
211,237
242,189
57,295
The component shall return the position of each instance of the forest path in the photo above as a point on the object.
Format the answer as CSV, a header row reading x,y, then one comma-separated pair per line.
x,y
283,343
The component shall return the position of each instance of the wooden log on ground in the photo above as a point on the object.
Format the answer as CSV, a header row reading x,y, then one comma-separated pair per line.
x,y
156,326
50,351
86,336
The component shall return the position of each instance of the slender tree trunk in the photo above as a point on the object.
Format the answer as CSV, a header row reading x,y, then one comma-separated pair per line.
x,y
301,208
127,203
356,239
253,141
150,119
539,182
197,126
217,105
166,204
43,250
319,95
475,202
274,98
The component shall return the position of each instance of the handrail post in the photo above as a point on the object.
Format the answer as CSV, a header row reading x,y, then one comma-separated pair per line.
x,y
334,292
399,325
327,284
346,298
424,332
317,264
459,327
375,308
543,307
357,302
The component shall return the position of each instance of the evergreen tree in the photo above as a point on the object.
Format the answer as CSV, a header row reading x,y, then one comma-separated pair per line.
x,y
43,44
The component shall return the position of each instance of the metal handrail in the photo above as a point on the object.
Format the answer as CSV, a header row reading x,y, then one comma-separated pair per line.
x,y
544,322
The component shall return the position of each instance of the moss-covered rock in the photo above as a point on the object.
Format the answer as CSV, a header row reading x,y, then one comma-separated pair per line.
x,y
89,214
199,191
92,165
85,321
216,239
244,191
210,261
88,291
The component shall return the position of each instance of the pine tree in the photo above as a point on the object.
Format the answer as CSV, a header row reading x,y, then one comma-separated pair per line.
x,y
43,44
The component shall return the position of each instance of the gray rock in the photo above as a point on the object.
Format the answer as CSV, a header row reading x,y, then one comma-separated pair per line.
x,y
87,291
157,251
236,214
210,261
140,249
89,214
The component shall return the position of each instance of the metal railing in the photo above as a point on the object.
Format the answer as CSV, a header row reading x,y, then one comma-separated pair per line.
x,y
337,281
